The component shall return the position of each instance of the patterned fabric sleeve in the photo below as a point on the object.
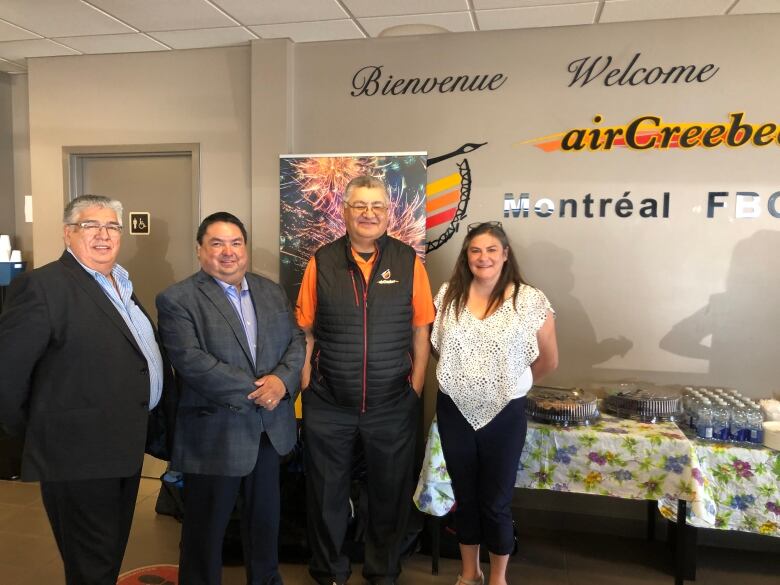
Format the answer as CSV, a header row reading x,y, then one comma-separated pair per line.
x,y
539,305
437,330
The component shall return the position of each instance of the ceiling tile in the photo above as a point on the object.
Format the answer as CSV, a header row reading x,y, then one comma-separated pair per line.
x,y
756,7
303,32
59,18
537,16
489,4
205,37
625,10
363,8
11,67
148,15
18,50
450,21
129,43
9,32
279,11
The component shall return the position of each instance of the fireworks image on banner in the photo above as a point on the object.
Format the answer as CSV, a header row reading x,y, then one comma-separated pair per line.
x,y
311,189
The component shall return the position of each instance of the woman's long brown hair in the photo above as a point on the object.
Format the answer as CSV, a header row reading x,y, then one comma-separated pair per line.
x,y
457,294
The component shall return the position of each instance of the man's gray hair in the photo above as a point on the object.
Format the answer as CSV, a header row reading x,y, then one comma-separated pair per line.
x,y
79,204
366,181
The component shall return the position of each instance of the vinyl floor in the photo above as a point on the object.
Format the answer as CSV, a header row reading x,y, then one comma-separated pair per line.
x,y
547,556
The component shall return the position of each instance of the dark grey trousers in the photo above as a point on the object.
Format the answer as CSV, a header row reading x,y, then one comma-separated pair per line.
x,y
388,434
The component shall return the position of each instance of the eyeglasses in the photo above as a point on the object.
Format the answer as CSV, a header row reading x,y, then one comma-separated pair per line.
x,y
478,224
361,207
92,228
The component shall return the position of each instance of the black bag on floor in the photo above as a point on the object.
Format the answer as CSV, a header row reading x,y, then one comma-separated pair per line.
x,y
169,500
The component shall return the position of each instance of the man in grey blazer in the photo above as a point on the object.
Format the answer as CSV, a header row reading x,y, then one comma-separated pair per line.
x,y
234,344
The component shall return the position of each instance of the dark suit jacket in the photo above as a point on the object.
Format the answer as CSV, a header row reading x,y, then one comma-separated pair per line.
x,y
218,428
73,381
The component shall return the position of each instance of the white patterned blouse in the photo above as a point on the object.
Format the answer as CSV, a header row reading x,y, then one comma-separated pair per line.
x,y
485,363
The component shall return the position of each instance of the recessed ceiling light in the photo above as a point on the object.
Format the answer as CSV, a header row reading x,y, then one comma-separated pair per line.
x,y
402,30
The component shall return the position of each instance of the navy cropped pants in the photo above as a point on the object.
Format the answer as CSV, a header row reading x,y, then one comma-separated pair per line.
x,y
483,465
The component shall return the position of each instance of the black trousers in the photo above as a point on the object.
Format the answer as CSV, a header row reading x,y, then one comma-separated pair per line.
x,y
388,434
91,523
483,465
209,501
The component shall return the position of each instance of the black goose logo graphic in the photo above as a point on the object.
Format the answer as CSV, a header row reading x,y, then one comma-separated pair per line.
x,y
447,198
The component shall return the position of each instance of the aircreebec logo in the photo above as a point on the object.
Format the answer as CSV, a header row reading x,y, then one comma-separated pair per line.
x,y
386,278
652,132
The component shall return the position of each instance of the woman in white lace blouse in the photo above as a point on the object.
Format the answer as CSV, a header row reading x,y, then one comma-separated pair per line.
x,y
495,336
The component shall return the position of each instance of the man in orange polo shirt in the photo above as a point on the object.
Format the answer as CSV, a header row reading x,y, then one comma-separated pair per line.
x,y
366,308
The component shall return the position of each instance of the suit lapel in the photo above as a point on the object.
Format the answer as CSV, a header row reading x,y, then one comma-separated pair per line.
x,y
260,313
93,290
217,296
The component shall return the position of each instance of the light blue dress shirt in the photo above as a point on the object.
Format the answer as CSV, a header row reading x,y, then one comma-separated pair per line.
x,y
136,322
242,304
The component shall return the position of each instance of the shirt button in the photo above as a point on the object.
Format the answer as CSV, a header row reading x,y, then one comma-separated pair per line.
x,y
145,404
144,371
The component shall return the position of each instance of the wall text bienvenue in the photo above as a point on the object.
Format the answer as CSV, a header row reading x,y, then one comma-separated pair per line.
x,y
371,80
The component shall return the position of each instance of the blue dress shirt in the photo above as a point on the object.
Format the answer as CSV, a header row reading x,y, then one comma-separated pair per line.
x,y
242,304
138,324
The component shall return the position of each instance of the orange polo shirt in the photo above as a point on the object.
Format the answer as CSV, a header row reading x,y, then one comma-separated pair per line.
x,y
422,301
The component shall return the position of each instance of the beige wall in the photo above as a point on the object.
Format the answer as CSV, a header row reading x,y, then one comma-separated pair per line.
x,y
272,105
21,160
200,96
6,158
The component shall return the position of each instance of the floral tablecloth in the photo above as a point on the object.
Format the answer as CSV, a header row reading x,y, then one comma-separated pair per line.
x,y
740,487
614,457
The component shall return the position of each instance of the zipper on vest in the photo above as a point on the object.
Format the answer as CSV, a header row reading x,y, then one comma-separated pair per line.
x,y
354,286
365,345
364,283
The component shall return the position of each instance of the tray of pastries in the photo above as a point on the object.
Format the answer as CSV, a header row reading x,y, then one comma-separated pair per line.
x,y
562,406
644,402
772,434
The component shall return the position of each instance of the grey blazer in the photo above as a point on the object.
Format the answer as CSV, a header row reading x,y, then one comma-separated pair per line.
x,y
217,427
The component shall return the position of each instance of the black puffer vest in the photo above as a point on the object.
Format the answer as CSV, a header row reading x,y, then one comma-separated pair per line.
x,y
362,357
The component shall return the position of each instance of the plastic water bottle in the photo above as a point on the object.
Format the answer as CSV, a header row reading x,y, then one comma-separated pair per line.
x,y
720,421
739,424
755,425
693,411
689,403
704,420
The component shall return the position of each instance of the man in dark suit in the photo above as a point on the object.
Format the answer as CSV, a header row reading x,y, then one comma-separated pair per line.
x,y
234,343
80,370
